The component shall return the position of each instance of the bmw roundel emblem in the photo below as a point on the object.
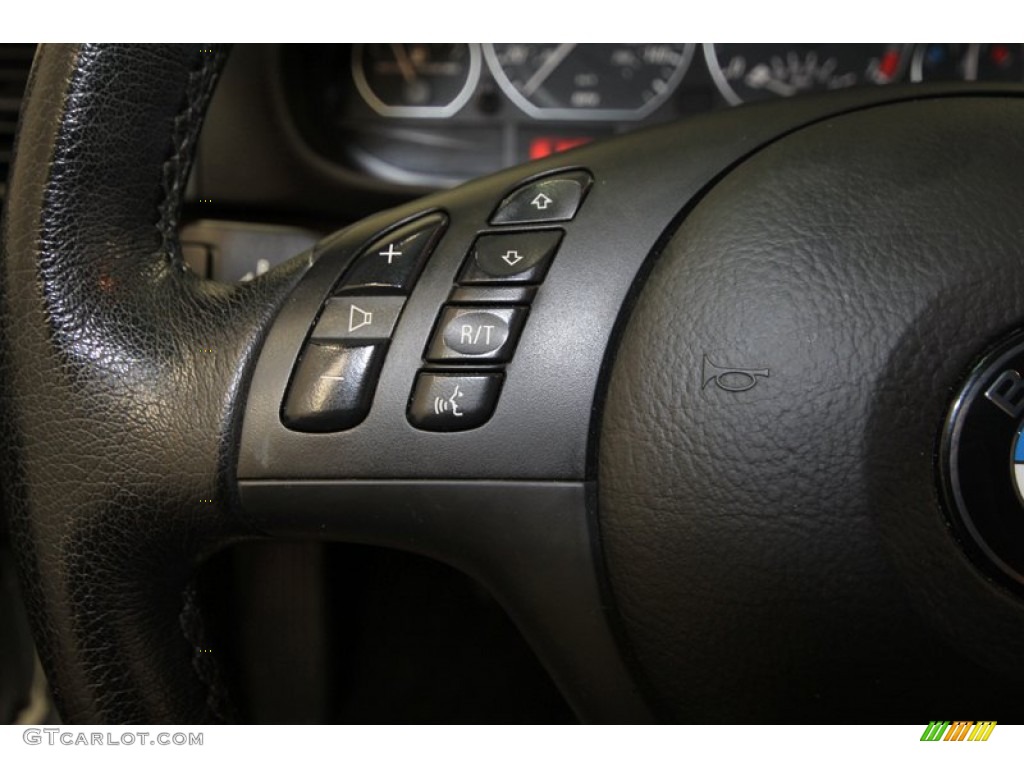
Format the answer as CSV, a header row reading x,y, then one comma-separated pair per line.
x,y
1018,463
982,462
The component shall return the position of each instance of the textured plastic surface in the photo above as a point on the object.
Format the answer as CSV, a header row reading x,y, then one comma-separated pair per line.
x,y
528,543
769,491
478,294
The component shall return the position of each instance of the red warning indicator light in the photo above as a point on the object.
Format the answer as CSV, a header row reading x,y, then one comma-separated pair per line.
x,y
999,55
889,66
544,146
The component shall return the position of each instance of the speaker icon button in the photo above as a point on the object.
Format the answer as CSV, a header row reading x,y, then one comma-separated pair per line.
x,y
358,318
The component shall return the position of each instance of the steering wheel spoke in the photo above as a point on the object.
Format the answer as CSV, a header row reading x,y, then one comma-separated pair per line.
x,y
529,543
430,385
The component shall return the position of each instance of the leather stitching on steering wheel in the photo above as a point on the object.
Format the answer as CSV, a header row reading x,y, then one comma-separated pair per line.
x,y
204,662
187,123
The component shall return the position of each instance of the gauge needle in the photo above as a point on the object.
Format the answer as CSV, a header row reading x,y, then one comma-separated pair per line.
x,y
557,57
970,65
761,77
405,65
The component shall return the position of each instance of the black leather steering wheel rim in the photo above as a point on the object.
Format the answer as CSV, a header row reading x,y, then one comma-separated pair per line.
x,y
143,426
113,344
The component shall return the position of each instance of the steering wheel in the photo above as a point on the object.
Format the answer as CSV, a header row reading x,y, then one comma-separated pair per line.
x,y
722,412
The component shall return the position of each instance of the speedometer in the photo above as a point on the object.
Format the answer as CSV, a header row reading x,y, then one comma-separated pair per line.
x,y
426,80
606,81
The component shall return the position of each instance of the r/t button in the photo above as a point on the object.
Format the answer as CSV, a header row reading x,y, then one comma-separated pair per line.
x,y
476,334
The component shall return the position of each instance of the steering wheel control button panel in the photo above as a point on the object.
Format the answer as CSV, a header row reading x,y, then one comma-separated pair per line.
x,y
395,260
552,198
476,334
332,387
333,383
450,402
521,257
488,304
359,318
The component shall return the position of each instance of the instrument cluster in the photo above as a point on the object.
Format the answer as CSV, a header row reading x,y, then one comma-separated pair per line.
x,y
435,114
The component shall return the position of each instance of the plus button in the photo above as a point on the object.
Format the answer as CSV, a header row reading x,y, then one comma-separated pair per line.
x,y
390,253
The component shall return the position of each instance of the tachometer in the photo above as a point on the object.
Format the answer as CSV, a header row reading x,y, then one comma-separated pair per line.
x,y
606,81
416,79
746,72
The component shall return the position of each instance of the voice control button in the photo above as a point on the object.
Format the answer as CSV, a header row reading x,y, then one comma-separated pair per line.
x,y
450,402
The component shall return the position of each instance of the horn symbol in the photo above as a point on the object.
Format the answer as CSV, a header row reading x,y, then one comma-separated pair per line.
x,y
730,379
